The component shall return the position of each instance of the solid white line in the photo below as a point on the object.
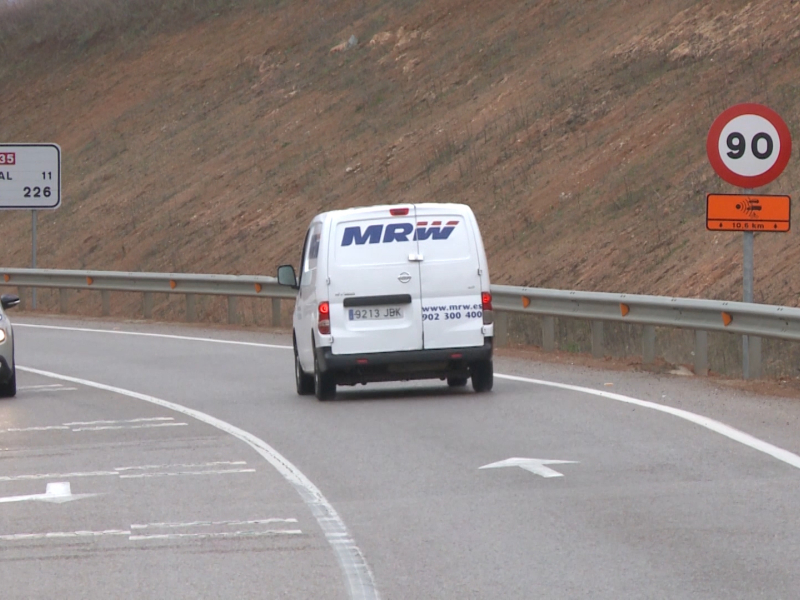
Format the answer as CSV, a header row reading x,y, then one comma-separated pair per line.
x,y
222,534
729,432
358,576
61,534
43,428
142,420
182,466
149,426
210,523
56,476
180,473
156,335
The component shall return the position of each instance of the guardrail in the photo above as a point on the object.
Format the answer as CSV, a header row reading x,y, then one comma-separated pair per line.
x,y
702,316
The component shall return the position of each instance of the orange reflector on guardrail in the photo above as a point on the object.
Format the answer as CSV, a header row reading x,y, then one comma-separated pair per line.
x,y
727,318
172,284
526,302
624,309
7,277
258,287
89,281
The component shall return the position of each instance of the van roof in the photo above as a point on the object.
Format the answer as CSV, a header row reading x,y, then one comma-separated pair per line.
x,y
349,212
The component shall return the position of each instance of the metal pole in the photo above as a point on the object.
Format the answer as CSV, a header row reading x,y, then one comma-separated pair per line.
x,y
747,295
33,255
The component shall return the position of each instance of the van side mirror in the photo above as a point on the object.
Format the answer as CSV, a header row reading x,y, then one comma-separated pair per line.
x,y
9,300
287,276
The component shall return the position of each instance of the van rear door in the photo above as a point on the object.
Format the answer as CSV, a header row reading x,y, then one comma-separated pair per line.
x,y
450,275
374,289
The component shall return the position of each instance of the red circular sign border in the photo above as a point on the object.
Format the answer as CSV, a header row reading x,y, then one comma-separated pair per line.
x,y
748,181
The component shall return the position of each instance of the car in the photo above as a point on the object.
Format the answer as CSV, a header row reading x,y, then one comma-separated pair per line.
x,y
8,368
392,293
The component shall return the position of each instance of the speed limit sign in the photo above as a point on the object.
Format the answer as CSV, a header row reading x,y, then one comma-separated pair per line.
x,y
749,145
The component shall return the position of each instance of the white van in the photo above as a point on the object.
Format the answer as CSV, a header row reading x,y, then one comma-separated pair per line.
x,y
392,293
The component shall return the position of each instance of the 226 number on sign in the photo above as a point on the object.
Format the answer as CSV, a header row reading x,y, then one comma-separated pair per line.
x,y
8,158
37,192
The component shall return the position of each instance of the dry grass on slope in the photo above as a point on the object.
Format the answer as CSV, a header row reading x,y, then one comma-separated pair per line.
x,y
576,131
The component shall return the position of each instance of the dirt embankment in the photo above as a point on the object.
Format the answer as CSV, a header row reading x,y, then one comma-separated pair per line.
x,y
576,131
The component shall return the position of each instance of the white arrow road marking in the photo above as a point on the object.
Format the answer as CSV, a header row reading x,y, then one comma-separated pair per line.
x,y
534,465
57,492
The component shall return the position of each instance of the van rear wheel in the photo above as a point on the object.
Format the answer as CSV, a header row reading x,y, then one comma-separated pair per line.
x,y
482,376
324,383
304,381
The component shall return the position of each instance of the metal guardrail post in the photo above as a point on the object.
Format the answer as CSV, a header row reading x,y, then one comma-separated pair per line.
x,y
649,344
191,308
754,351
276,312
105,300
63,300
549,334
701,352
23,300
597,339
147,305
500,328
233,313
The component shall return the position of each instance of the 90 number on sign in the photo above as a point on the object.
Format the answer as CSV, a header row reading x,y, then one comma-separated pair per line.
x,y
738,145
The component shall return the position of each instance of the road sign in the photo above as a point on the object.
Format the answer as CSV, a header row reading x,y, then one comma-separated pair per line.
x,y
749,145
744,212
30,176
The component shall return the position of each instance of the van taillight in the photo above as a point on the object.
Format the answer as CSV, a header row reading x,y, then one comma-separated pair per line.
x,y
324,319
486,307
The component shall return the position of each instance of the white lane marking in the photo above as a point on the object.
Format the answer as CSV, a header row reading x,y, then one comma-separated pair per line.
x,y
182,466
209,524
140,420
148,426
36,389
534,465
358,576
56,492
182,473
62,534
156,335
215,534
43,428
142,423
121,470
57,475
729,432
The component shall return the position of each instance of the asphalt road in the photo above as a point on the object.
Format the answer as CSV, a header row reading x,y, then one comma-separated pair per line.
x,y
195,471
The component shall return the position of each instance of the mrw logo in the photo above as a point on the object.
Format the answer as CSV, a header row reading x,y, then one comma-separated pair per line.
x,y
397,232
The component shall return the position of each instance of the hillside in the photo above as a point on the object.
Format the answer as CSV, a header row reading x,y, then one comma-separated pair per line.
x,y
204,138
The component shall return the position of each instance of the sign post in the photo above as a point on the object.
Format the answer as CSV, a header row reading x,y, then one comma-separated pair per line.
x,y
30,178
748,146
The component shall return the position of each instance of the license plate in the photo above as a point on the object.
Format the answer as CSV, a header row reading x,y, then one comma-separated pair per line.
x,y
366,314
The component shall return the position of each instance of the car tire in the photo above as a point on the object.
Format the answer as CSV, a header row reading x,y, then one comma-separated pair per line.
x,y
324,383
9,388
303,381
457,381
482,376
